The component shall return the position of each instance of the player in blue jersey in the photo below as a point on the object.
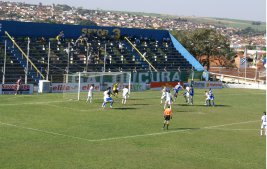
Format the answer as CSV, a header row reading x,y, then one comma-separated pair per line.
x,y
107,98
176,90
191,94
211,97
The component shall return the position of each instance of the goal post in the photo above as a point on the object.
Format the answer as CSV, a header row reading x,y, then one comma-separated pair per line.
x,y
78,84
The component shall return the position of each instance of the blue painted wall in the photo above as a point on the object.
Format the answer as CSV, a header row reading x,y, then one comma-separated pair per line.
x,y
29,29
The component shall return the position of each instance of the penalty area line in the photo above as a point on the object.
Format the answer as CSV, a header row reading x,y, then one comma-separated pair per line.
x,y
123,137
231,129
30,103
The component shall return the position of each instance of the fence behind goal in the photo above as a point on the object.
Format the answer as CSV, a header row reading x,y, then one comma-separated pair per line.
x,y
78,84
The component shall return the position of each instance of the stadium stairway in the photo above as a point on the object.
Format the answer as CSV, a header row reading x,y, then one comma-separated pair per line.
x,y
136,55
16,54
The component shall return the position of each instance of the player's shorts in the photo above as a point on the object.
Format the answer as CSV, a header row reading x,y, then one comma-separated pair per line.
x,y
18,87
176,90
108,99
187,94
263,126
168,102
167,117
211,97
115,91
124,97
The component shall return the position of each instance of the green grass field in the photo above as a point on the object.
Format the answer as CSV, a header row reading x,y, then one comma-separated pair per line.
x,y
47,132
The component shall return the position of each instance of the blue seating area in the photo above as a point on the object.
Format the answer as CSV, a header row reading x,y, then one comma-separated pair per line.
x,y
89,52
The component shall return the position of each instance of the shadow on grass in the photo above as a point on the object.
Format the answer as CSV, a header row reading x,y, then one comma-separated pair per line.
x,y
198,105
185,129
140,104
124,108
136,99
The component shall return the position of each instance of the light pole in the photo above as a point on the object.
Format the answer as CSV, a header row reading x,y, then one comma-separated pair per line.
x,y
246,64
4,68
27,63
48,61
104,69
68,64
87,56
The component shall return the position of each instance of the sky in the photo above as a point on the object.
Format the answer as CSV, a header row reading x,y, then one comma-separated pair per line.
x,y
253,10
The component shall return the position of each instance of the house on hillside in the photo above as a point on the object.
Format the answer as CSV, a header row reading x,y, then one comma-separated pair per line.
x,y
253,59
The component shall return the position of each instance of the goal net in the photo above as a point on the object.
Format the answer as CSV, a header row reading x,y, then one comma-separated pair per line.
x,y
76,85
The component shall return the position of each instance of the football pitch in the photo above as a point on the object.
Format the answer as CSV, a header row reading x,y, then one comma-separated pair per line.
x,y
46,131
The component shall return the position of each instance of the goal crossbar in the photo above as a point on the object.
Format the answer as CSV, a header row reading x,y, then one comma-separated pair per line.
x,y
104,78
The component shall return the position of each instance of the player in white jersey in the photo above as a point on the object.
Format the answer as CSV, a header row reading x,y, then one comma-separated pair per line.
x,y
176,89
163,95
125,93
263,123
168,100
187,94
107,98
207,101
90,94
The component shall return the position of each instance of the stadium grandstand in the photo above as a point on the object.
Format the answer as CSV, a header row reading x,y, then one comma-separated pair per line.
x,y
47,51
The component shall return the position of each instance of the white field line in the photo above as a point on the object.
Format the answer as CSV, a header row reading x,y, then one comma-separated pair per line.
x,y
63,107
31,103
231,129
123,137
230,124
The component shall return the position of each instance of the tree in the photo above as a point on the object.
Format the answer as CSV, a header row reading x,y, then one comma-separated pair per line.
x,y
204,42
87,23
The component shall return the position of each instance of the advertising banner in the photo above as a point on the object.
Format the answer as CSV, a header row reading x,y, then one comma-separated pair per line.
x,y
73,87
134,86
200,84
159,85
206,84
214,85
11,89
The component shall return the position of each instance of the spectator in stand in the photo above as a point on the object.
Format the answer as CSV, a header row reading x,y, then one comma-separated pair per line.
x,y
60,37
